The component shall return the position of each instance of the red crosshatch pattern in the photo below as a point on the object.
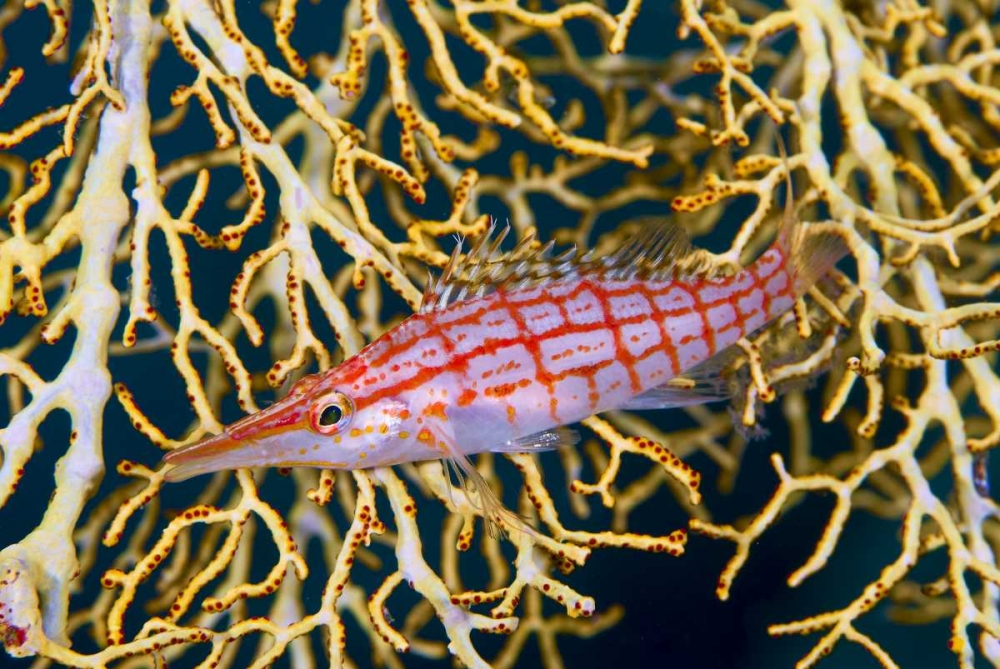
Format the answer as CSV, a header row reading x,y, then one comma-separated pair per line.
x,y
552,354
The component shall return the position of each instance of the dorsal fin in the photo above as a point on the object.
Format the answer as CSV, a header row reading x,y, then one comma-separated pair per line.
x,y
485,268
659,250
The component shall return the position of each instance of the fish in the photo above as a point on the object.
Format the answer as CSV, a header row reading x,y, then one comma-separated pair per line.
x,y
508,349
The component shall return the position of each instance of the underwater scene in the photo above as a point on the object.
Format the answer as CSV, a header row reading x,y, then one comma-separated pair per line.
x,y
499,333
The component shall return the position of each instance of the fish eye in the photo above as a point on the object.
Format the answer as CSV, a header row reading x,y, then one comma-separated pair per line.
x,y
333,413
330,415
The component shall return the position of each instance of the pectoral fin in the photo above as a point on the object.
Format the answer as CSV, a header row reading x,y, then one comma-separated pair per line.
x,y
540,441
498,518
472,428
478,429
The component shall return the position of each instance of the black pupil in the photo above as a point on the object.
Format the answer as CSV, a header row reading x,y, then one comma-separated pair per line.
x,y
331,415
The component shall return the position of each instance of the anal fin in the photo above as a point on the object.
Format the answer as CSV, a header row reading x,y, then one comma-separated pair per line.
x,y
670,396
701,384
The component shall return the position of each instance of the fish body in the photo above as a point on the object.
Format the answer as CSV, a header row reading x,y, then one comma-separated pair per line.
x,y
518,363
496,363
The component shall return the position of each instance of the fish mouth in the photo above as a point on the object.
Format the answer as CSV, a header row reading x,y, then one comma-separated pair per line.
x,y
214,454
222,452
264,438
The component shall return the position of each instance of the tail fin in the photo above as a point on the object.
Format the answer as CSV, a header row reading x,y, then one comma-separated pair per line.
x,y
810,256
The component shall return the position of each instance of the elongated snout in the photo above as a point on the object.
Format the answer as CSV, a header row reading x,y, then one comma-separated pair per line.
x,y
211,455
266,438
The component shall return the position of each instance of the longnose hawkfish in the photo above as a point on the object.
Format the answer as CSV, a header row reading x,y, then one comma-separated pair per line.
x,y
507,349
